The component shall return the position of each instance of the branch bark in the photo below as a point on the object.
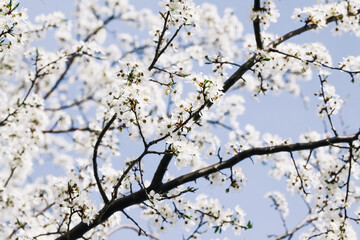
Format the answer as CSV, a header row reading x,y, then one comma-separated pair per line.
x,y
94,159
256,25
140,196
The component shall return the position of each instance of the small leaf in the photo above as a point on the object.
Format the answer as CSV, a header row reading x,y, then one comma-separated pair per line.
x,y
16,6
266,59
249,225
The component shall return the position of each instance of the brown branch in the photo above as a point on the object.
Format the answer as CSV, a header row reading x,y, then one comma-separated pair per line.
x,y
255,152
127,170
161,36
159,52
161,170
12,170
140,231
73,129
303,29
62,76
140,196
73,104
325,99
298,174
348,184
94,158
256,25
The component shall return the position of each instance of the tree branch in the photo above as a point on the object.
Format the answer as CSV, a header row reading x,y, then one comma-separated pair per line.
x,y
94,159
72,58
305,222
161,170
140,196
255,152
256,25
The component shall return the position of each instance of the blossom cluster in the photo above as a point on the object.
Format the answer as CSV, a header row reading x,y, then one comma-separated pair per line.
x,y
351,64
109,108
182,12
280,202
13,25
202,210
72,200
215,35
332,102
347,12
293,61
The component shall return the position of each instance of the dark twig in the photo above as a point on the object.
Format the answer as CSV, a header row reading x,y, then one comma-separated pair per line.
x,y
139,229
161,170
160,39
298,174
256,25
73,129
197,229
326,99
348,183
159,52
12,170
94,159
282,217
140,196
73,104
304,223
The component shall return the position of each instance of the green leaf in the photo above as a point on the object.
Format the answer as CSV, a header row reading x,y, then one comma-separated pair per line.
x,y
266,59
217,229
249,225
16,6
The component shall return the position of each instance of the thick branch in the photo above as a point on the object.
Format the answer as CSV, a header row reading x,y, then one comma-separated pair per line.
x,y
255,152
140,196
161,170
256,25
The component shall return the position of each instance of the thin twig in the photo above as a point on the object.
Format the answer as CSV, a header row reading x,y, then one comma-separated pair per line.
x,y
298,174
12,170
328,114
304,223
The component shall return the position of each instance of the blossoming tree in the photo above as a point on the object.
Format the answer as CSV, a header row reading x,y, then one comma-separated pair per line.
x,y
147,120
